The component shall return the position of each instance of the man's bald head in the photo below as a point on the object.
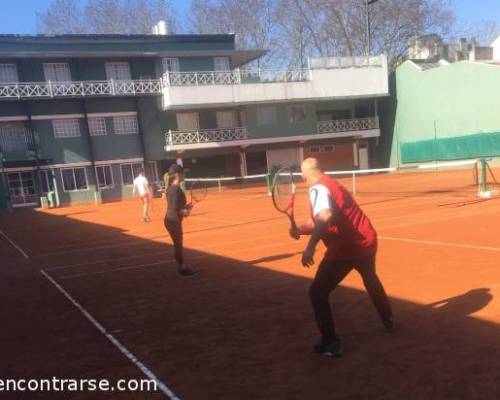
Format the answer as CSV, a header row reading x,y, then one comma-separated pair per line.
x,y
311,170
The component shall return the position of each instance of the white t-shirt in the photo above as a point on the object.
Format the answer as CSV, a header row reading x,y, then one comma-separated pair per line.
x,y
141,185
320,199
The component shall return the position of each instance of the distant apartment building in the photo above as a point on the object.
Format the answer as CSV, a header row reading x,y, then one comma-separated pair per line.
x,y
432,48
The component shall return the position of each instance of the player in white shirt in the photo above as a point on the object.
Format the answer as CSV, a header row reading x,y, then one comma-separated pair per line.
x,y
141,187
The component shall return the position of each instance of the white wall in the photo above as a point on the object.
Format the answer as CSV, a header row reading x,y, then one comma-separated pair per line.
x,y
335,83
496,49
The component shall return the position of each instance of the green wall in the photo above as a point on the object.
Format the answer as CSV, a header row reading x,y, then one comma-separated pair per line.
x,y
444,113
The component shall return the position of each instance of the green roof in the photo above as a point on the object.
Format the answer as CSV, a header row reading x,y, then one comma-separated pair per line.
x,y
93,45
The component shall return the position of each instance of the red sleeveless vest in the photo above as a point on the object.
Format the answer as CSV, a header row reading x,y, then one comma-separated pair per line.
x,y
351,235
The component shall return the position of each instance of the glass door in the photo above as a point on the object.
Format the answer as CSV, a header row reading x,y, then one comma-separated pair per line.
x,y
22,188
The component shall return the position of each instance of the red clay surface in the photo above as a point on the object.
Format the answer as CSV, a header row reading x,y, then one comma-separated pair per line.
x,y
243,328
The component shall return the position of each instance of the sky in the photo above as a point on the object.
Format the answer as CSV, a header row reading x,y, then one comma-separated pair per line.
x,y
19,16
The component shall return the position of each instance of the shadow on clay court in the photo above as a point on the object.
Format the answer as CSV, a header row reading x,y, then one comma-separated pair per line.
x,y
236,331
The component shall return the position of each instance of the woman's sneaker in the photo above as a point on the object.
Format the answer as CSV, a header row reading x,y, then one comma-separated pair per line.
x,y
186,273
332,349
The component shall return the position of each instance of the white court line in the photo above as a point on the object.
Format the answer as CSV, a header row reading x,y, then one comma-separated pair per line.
x,y
19,249
201,232
166,262
145,370
436,243
447,218
67,266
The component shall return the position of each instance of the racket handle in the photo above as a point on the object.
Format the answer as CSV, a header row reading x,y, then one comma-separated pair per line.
x,y
293,224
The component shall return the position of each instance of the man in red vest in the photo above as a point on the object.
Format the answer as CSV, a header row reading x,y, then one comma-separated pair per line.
x,y
351,243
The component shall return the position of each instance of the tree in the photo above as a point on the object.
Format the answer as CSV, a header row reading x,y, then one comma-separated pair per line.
x,y
251,21
105,16
485,31
62,17
296,29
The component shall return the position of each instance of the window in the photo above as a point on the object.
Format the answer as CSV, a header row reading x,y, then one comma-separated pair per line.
x,y
74,179
57,72
170,65
97,126
66,128
104,176
314,149
126,125
187,121
12,137
266,115
226,119
296,114
119,71
46,179
221,64
8,73
329,148
129,172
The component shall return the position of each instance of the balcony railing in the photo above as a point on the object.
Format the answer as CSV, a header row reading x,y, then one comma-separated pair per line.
x,y
346,125
206,136
345,62
80,88
235,77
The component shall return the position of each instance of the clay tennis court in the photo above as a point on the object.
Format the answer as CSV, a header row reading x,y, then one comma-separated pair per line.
x,y
243,328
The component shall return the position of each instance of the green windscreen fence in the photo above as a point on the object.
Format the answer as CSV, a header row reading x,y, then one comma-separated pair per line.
x,y
453,148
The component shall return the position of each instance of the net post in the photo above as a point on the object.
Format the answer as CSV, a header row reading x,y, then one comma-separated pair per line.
x,y
354,183
483,179
268,184
220,186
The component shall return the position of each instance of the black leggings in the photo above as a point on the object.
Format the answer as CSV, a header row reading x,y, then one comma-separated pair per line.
x,y
330,273
174,228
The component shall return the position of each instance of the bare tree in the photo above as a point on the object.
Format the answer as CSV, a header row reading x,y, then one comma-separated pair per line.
x,y
485,32
105,16
296,29
63,16
251,21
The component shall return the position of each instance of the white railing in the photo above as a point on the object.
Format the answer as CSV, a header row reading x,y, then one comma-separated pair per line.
x,y
346,125
80,88
206,136
345,62
235,77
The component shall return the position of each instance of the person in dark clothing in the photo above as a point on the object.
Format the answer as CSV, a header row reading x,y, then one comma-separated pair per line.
x,y
177,209
351,243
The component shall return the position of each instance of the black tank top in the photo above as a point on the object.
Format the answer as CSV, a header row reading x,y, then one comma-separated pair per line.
x,y
176,202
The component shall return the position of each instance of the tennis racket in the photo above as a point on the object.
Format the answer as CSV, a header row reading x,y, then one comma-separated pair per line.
x,y
198,192
283,194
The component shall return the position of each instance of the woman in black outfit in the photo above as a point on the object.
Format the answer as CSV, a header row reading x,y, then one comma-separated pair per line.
x,y
177,209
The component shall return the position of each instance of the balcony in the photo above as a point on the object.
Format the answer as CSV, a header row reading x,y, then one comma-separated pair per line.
x,y
326,78
48,90
348,125
205,136
236,77
238,136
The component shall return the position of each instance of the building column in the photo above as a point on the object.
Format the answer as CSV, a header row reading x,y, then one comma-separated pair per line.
x,y
243,164
179,160
301,152
355,153
97,193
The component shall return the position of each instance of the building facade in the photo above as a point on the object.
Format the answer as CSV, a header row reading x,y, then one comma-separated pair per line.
x,y
80,114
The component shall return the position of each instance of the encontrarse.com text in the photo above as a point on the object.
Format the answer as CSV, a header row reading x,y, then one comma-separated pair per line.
x,y
77,385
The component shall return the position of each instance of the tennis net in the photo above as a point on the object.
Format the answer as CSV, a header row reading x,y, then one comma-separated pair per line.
x,y
465,178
